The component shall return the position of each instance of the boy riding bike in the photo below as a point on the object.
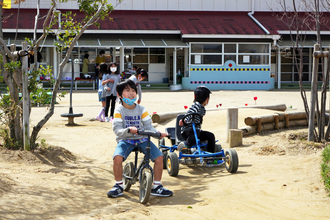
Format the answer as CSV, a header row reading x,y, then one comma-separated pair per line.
x,y
128,118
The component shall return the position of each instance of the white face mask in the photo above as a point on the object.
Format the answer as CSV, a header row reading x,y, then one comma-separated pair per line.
x,y
113,69
101,55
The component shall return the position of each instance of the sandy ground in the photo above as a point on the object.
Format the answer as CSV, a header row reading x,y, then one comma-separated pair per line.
x,y
277,178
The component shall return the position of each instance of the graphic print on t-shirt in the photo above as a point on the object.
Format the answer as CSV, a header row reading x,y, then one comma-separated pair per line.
x,y
132,121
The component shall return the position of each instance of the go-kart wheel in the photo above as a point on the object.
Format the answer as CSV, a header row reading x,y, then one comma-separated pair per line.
x,y
172,164
217,148
128,171
162,142
145,186
231,160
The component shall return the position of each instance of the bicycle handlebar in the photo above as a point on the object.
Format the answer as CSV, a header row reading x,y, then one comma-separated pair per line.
x,y
155,134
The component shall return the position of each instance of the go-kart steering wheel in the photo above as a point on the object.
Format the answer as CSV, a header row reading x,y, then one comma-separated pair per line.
x,y
192,117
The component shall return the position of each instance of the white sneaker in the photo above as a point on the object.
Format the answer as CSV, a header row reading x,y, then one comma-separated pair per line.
x,y
107,119
111,119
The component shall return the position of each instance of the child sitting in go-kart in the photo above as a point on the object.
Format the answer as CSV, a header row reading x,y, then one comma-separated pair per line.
x,y
202,97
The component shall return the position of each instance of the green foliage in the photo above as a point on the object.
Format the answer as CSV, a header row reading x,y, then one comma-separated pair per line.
x,y
10,143
39,95
71,25
8,110
325,168
12,66
44,145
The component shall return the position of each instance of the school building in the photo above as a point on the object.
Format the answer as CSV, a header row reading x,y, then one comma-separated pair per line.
x,y
223,44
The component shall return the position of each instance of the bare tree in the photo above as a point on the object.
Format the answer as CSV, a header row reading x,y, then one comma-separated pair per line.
x,y
71,31
299,17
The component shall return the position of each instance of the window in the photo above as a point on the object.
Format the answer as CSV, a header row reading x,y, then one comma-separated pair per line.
x,y
253,54
140,55
157,55
206,54
240,53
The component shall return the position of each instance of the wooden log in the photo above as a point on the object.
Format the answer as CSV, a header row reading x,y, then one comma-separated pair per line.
x,y
270,117
157,118
279,107
297,115
248,130
263,118
301,122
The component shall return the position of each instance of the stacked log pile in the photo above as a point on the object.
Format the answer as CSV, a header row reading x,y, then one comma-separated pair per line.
x,y
274,121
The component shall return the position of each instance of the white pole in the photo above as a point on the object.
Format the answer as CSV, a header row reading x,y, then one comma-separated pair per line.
x,y
278,68
55,62
25,94
174,66
121,59
186,61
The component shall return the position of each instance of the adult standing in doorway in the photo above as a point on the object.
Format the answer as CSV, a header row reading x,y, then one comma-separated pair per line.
x,y
100,58
85,66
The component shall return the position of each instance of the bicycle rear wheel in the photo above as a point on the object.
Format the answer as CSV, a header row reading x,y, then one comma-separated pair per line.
x,y
145,186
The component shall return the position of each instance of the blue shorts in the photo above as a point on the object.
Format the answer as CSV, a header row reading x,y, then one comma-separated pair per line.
x,y
124,149
100,98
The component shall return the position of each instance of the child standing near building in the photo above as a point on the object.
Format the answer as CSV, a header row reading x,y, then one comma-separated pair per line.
x,y
129,117
102,69
109,82
140,75
202,98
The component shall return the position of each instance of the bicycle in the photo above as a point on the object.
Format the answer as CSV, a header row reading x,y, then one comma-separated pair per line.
x,y
143,173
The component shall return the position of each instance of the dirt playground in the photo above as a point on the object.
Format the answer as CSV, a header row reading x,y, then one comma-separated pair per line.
x,y
278,175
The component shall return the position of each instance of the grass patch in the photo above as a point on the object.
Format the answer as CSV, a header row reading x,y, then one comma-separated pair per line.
x,y
325,168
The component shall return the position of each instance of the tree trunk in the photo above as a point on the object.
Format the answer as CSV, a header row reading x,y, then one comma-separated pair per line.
x,y
313,95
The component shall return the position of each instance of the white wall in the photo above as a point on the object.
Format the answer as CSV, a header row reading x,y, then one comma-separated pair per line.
x,y
179,5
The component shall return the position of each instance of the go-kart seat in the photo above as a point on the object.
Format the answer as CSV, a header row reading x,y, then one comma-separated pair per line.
x,y
178,136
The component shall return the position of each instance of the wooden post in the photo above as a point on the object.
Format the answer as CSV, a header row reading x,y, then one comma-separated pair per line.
x,y
258,125
311,120
25,94
277,120
287,120
232,120
235,138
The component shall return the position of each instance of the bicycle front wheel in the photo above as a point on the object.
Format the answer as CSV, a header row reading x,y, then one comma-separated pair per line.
x,y
145,186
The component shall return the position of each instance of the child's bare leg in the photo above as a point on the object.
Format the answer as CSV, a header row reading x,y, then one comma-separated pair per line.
x,y
158,169
118,167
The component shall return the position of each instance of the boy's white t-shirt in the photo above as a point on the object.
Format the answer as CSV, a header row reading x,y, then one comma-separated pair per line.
x,y
124,118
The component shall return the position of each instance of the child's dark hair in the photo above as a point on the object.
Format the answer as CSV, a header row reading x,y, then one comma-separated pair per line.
x,y
86,55
143,72
124,85
103,69
109,68
201,93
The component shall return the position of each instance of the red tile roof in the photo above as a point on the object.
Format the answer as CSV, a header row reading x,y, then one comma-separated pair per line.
x,y
188,22
275,21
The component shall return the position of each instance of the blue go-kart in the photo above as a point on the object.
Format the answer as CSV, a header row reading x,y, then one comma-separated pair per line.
x,y
196,154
